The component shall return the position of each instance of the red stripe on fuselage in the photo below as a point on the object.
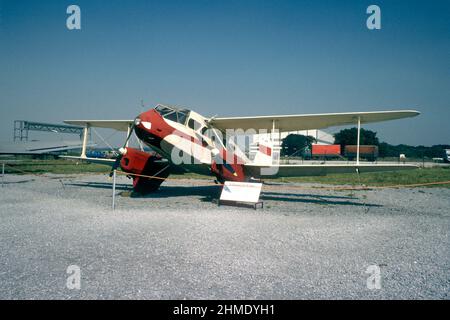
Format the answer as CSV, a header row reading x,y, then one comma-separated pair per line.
x,y
161,129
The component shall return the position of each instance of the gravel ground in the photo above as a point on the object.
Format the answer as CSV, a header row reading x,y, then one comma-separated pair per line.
x,y
306,243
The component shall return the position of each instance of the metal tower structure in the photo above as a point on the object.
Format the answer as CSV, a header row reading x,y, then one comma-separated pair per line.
x,y
22,127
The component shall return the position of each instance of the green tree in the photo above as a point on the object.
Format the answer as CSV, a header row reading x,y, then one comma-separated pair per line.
x,y
350,137
295,143
418,152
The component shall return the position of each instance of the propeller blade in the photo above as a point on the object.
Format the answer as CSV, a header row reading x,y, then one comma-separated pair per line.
x,y
122,151
129,135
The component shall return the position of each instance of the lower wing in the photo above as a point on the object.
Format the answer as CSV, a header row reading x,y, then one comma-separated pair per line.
x,y
286,170
104,161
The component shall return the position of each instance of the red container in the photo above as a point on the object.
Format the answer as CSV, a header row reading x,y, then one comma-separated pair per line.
x,y
326,150
363,150
368,152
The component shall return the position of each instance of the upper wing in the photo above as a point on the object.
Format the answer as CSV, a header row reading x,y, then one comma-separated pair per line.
x,y
274,171
120,125
308,121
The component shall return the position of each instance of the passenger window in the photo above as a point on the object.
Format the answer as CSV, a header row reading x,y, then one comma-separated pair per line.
x,y
191,124
195,125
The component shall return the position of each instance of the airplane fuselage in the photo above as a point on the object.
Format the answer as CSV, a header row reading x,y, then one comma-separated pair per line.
x,y
183,137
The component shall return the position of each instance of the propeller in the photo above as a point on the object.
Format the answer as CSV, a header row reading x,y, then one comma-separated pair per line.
x,y
122,150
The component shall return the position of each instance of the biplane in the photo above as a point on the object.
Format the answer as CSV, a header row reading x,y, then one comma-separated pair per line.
x,y
182,137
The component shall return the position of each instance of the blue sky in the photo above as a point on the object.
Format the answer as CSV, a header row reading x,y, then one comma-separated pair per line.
x,y
228,58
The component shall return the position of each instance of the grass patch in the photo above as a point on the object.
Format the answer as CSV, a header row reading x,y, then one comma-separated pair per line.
x,y
54,166
380,178
60,166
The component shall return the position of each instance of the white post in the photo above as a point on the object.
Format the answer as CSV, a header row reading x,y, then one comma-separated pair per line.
x,y
273,131
85,137
272,135
114,191
3,174
358,142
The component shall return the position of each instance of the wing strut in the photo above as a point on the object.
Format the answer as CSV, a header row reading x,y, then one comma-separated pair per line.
x,y
275,138
359,140
128,134
85,139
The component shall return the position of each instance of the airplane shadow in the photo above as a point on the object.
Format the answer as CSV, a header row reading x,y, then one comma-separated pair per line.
x,y
17,182
99,185
211,193
308,195
164,191
207,193
316,199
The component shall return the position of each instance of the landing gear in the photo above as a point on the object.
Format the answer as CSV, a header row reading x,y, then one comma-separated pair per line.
x,y
158,171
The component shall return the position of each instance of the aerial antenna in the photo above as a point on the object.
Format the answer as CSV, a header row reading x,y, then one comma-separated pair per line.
x,y
142,105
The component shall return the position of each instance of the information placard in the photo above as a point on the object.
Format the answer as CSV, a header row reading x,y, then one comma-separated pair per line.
x,y
246,192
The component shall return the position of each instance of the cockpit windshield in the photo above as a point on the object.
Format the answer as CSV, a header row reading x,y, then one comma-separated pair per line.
x,y
173,114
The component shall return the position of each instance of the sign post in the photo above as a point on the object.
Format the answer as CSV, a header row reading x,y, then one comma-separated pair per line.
x,y
3,174
114,191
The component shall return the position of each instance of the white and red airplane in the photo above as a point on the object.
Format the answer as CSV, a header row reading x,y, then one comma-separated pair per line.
x,y
196,143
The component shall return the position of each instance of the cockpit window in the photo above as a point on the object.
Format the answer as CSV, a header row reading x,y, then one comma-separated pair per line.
x,y
162,110
173,114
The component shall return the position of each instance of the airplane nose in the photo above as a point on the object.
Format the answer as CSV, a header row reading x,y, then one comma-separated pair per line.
x,y
144,120
146,124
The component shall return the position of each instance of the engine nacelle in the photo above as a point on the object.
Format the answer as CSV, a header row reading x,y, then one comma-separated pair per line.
x,y
153,168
